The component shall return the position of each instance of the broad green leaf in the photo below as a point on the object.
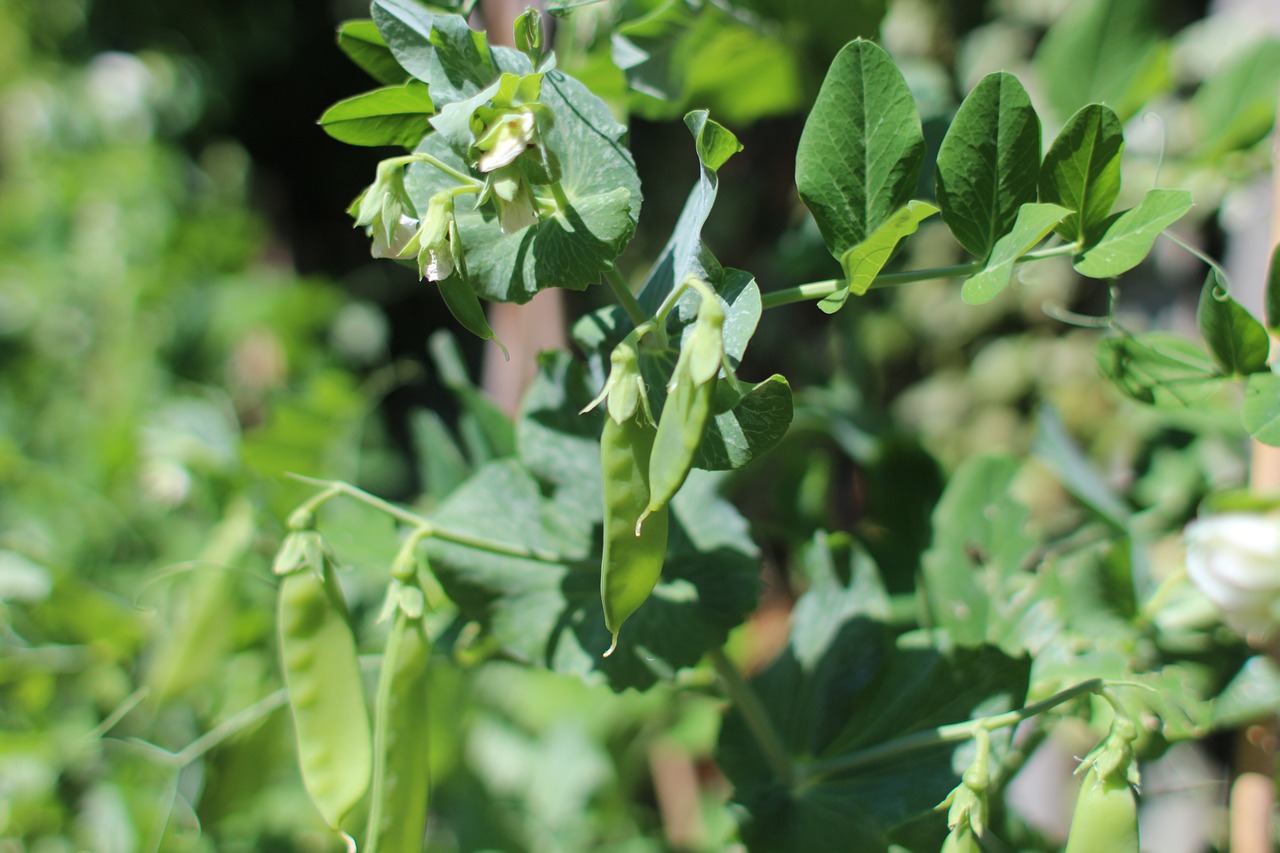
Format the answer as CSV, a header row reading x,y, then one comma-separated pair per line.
x,y
1237,105
1128,237
442,50
680,54
989,162
361,41
684,253
1102,51
1033,224
864,261
486,429
1271,294
441,463
1158,368
559,444
752,424
394,115
1238,342
840,705
1081,171
974,579
1260,411
570,249
1058,449
1253,694
861,148
545,608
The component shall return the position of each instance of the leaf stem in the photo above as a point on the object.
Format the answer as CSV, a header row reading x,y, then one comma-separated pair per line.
x,y
817,290
427,529
757,719
625,297
230,727
460,177
944,734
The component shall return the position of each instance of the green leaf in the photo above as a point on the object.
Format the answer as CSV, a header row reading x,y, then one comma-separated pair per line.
x,y
841,696
1062,454
989,162
558,444
1237,105
394,115
684,253
361,41
1238,342
1158,368
864,261
570,249
1271,295
1260,411
974,578
1253,694
680,54
1102,51
1033,224
750,425
443,51
546,609
1081,171
486,429
860,152
1128,237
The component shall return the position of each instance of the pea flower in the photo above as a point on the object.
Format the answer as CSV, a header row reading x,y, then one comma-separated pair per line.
x,y
382,206
510,193
437,243
395,244
507,137
1234,558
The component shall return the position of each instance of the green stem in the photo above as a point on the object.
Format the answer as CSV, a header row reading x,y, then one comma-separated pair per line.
x,y
816,290
625,297
757,719
944,734
426,528
230,727
460,177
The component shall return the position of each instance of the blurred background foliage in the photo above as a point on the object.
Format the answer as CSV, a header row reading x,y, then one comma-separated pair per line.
x,y
185,315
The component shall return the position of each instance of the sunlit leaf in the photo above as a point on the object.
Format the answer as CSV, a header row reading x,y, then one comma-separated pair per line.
x,y
989,162
1081,170
1128,237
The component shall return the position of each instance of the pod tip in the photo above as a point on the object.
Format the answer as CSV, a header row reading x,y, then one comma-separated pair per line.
x,y
613,645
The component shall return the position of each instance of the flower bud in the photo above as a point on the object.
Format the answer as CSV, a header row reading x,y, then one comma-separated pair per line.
x,y
1234,558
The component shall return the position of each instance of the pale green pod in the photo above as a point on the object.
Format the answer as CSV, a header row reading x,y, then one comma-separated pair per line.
x,y
326,695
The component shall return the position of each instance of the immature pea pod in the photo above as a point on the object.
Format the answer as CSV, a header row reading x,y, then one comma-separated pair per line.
x,y
688,408
318,653
633,556
465,306
1106,816
401,780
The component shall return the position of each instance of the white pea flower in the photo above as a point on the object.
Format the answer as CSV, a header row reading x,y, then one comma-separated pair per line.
x,y
1234,558
506,139
400,235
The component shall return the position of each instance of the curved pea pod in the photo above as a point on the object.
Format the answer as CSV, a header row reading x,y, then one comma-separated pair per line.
x,y
401,781
461,300
318,653
1106,816
680,429
633,556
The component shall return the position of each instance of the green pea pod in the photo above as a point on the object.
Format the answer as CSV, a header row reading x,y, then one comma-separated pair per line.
x,y
680,429
326,695
461,300
633,557
1106,816
401,781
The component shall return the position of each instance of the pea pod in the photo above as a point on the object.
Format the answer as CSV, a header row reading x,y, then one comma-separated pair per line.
x,y
1106,816
688,408
633,557
461,300
401,781
318,653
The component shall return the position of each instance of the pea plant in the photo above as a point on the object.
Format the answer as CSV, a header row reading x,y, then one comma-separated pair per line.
x,y
600,547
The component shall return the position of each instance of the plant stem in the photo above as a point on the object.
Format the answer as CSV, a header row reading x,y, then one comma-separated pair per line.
x,y
944,734
427,528
460,177
625,297
230,727
815,290
757,719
